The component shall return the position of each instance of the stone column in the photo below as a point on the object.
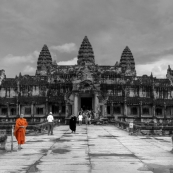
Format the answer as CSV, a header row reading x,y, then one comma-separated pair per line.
x,y
125,107
17,109
140,110
164,110
154,110
8,109
96,102
76,104
103,110
66,110
32,109
60,109
111,107
47,108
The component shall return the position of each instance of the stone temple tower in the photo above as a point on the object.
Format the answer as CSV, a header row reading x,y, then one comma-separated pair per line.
x,y
127,61
86,54
44,61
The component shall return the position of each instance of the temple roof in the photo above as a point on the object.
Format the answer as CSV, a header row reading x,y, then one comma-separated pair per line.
x,y
44,57
127,59
85,53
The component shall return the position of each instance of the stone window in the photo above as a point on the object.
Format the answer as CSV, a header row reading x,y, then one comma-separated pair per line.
x,y
145,111
28,110
108,110
158,111
4,111
134,111
55,109
117,110
39,111
168,111
63,109
13,111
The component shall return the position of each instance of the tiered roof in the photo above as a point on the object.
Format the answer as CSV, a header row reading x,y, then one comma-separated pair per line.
x,y
44,59
127,59
85,53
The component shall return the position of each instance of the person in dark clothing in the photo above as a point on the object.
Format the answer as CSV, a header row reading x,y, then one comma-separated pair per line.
x,y
73,120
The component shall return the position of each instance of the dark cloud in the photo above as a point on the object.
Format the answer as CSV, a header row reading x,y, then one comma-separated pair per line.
x,y
143,58
145,26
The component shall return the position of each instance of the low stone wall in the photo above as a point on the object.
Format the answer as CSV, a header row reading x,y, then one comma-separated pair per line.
x,y
3,139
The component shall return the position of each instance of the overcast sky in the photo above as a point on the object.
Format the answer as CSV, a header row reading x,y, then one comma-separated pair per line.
x,y
145,26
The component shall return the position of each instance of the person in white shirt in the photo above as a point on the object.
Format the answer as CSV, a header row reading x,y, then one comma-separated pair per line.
x,y
80,117
50,123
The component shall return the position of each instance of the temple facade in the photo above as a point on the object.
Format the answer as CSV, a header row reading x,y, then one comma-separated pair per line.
x,y
110,91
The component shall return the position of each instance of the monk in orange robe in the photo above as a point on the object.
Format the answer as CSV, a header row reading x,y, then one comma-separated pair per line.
x,y
20,130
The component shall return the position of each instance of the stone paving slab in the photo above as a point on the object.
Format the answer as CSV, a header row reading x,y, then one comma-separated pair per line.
x,y
92,149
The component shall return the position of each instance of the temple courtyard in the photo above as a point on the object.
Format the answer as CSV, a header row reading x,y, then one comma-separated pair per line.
x,y
92,149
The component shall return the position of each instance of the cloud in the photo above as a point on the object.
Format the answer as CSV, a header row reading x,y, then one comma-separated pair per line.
x,y
29,70
12,59
67,48
13,65
70,62
142,57
159,68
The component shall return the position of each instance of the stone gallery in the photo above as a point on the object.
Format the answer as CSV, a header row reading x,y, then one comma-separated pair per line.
x,y
109,91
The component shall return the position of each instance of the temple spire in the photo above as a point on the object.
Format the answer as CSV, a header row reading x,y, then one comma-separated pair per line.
x,y
86,54
127,60
44,61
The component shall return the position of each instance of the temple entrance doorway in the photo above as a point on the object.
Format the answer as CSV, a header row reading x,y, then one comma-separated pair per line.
x,y
86,103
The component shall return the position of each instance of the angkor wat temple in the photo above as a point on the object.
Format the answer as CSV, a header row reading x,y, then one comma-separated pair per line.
x,y
111,91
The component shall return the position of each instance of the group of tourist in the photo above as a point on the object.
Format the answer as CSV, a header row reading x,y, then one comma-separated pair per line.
x,y
20,128
21,124
85,116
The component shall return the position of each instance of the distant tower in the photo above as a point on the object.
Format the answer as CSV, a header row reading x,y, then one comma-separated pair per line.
x,y
44,61
127,60
86,54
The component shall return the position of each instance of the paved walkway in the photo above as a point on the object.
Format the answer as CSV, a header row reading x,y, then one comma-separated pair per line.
x,y
93,149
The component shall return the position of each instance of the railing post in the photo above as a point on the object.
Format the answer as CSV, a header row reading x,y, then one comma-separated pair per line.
x,y
172,142
12,131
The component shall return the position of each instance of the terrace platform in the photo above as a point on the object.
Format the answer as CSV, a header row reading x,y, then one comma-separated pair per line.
x,y
92,149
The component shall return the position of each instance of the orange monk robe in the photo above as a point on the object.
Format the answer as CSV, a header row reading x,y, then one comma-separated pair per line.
x,y
19,132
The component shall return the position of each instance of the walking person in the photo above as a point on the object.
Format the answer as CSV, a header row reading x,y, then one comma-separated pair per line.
x,y
86,118
80,117
20,130
72,124
89,119
50,120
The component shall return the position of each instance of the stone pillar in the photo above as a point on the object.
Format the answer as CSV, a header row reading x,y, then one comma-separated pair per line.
x,y
96,102
60,109
76,104
17,109
140,110
125,107
8,109
66,110
111,107
103,110
32,109
47,108
164,110
154,111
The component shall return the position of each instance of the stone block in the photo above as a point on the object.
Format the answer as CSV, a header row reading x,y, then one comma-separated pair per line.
x,y
3,140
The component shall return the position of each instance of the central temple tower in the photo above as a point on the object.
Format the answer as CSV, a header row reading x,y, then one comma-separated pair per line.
x,y
86,54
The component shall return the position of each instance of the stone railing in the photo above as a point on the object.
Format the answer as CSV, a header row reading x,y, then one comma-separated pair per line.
x,y
3,139
6,128
149,128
